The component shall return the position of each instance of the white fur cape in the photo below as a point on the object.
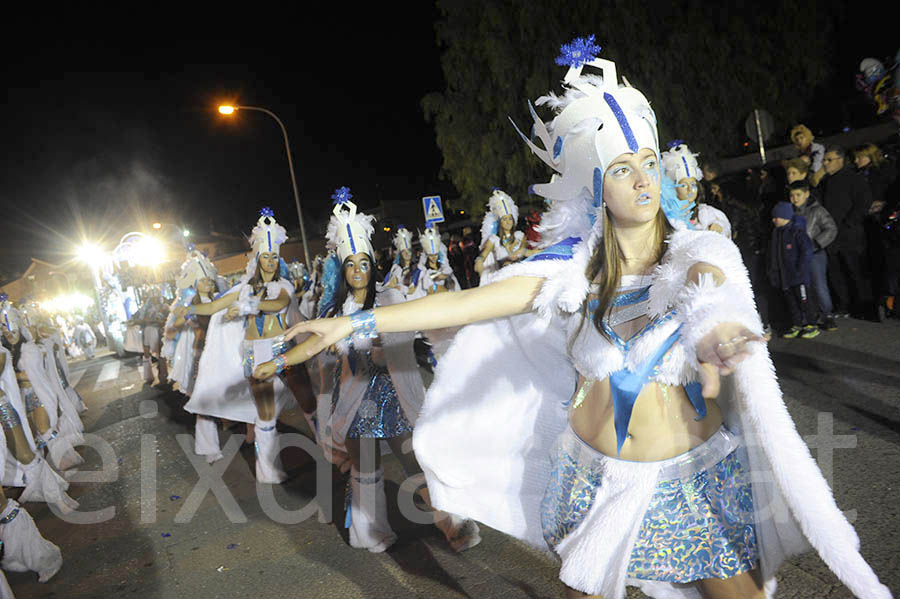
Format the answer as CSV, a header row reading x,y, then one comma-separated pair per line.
x,y
221,390
13,474
516,371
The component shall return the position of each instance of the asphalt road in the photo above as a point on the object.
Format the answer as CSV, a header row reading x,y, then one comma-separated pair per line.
x,y
160,536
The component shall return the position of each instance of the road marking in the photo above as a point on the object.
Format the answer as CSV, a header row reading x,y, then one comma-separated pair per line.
x,y
75,377
109,372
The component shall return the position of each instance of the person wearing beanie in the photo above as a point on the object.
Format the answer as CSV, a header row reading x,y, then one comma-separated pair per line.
x,y
790,257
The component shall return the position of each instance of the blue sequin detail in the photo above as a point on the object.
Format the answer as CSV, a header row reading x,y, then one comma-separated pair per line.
x,y
560,251
698,527
701,526
380,415
598,187
557,147
623,121
687,169
579,51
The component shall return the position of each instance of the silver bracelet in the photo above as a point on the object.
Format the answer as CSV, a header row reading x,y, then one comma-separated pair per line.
x,y
363,324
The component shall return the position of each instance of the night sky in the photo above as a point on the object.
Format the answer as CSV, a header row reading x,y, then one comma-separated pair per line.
x,y
104,137
107,135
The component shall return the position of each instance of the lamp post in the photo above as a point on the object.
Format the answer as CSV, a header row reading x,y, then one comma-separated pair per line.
x,y
229,110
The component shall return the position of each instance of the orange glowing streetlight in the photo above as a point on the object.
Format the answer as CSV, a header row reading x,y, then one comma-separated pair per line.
x,y
157,226
228,110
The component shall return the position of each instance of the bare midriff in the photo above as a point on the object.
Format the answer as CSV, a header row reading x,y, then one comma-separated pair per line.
x,y
663,422
271,327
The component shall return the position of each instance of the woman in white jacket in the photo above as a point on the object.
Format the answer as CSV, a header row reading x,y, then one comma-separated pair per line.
x,y
593,421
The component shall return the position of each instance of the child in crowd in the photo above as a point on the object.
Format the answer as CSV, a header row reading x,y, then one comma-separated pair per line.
x,y
822,230
790,258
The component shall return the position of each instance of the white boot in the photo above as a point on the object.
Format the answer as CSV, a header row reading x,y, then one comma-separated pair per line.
x,y
462,534
206,439
60,451
24,549
268,462
44,484
369,527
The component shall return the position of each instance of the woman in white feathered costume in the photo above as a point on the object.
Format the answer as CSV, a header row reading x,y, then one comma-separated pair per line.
x,y
680,166
501,244
20,412
404,274
436,275
247,328
587,413
378,389
51,420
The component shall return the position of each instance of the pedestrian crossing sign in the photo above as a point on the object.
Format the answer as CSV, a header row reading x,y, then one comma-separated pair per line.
x,y
433,211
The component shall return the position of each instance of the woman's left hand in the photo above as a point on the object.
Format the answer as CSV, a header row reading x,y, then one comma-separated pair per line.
x,y
265,371
720,351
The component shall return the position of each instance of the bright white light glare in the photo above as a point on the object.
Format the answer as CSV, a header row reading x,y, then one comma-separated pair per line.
x,y
68,303
91,254
186,233
157,226
226,109
149,251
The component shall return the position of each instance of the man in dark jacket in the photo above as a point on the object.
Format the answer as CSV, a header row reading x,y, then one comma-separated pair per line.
x,y
822,230
847,198
789,267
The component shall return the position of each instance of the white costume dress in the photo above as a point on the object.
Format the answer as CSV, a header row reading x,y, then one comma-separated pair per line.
x,y
707,215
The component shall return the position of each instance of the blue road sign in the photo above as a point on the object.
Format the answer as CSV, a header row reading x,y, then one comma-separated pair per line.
x,y
434,213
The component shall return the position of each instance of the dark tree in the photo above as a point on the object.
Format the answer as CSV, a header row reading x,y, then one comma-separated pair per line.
x,y
704,66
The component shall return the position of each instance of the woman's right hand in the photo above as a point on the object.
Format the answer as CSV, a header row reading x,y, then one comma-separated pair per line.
x,y
327,330
181,311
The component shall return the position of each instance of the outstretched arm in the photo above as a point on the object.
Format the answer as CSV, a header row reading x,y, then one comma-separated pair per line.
x,y
504,298
210,308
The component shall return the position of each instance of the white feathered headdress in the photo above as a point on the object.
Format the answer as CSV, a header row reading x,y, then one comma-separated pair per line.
x,y
349,232
499,205
431,241
267,235
403,239
197,266
596,121
679,163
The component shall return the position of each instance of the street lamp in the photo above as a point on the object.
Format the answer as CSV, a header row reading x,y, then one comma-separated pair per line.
x,y
229,110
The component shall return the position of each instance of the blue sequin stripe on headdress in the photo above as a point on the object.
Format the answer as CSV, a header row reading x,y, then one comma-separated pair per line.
x,y
350,236
687,169
623,121
269,235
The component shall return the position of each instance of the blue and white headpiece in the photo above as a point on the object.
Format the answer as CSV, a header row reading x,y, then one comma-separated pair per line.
x,y
197,266
431,241
267,236
349,232
679,163
499,205
403,239
596,121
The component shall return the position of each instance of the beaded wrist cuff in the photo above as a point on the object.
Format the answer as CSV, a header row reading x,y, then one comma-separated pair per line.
x,y
279,364
363,324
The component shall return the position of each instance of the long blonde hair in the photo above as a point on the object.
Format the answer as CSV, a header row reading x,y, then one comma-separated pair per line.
x,y
605,267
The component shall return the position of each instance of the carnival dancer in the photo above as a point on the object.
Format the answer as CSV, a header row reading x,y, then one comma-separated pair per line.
x,y
40,395
24,466
680,166
84,338
501,244
378,390
196,284
151,317
656,472
69,401
23,547
436,274
404,274
247,328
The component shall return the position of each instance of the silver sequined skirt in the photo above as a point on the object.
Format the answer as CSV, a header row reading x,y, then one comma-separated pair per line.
x,y
699,522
